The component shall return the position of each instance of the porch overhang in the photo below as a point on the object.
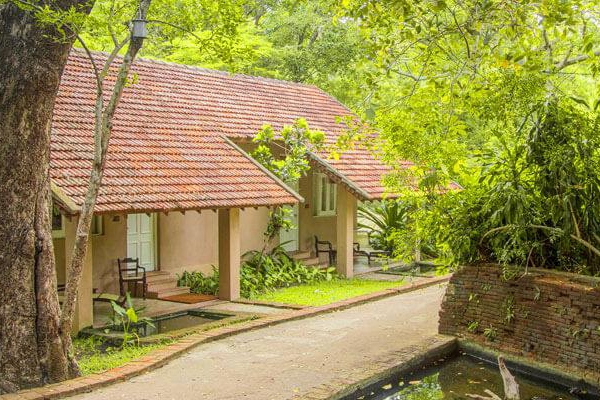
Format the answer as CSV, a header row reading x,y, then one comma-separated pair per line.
x,y
265,170
275,195
323,166
62,201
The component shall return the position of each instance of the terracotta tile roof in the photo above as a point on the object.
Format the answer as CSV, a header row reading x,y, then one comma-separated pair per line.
x,y
167,150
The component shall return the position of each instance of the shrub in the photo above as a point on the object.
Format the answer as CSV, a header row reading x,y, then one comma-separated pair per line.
x,y
383,221
536,200
199,283
260,272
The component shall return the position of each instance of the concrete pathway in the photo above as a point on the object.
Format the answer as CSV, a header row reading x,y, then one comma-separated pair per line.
x,y
289,359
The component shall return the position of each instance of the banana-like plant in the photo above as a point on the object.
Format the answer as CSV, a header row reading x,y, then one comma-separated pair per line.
x,y
129,320
382,220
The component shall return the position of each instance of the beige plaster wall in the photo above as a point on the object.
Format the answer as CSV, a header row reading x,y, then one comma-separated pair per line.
x,y
187,241
109,247
190,241
253,223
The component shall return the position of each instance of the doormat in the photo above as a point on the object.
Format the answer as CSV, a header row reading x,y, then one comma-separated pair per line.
x,y
190,298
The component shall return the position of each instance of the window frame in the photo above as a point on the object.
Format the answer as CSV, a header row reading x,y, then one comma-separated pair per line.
x,y
97,228
321,184
57,233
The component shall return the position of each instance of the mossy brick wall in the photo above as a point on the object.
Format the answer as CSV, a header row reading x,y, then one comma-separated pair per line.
x,y
546,316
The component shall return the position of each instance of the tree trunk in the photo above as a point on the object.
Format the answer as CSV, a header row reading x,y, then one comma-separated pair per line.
x,y
31,63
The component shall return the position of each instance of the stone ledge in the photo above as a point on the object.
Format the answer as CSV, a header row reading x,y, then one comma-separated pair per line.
x,y
565,376
160,357
399,362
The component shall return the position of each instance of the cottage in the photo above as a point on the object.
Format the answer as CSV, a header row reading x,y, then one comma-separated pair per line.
x,y
180,192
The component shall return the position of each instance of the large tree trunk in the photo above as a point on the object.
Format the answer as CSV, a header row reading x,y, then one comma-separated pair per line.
x,y
31,63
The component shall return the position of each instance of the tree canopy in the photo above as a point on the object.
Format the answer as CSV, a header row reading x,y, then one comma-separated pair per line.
x,y
471,91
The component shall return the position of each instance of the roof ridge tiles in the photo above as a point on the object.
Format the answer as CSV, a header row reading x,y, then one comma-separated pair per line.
x,y
217,72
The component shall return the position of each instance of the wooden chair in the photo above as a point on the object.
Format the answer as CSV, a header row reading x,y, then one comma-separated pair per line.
x,y
357,252
324,246
135,274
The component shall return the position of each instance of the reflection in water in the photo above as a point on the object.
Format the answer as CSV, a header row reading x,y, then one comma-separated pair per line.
x,y
426,389
453,379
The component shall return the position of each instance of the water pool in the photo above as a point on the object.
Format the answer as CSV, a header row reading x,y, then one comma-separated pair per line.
x,y
454,378
175,321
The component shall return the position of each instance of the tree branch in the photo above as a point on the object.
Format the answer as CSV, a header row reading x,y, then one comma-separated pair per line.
x,y
575,60
92,60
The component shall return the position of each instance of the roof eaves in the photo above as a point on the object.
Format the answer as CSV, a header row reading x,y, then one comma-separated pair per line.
x,y
332,172
63,201
265,170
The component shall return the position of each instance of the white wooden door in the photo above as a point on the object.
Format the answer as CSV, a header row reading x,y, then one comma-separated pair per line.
x,y
141,239
291,236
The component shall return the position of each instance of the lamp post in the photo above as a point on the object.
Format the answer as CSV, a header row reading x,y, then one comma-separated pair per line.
x,y
139,30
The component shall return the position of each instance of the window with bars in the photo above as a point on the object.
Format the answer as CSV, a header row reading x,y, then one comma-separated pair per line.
x,y
325,195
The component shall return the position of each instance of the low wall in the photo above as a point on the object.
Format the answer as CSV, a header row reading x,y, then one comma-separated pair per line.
x,y
549,317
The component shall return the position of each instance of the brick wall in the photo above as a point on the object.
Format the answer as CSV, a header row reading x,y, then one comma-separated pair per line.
x,y
547,316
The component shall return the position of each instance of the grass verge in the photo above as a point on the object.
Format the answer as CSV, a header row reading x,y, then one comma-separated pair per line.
x,y
326,292
95,355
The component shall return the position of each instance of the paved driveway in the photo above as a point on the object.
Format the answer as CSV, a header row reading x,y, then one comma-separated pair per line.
x,y
285,360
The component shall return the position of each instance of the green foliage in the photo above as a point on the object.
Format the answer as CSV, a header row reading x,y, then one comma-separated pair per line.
x,y
59,20
473,326
260,273
263,272
200,283
129,320
509,309
202,29
287,156
383,220
94,355
534,201
326,292
490,333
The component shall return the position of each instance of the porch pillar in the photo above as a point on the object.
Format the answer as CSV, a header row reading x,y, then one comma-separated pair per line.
x,y
346,205
229,254
84,307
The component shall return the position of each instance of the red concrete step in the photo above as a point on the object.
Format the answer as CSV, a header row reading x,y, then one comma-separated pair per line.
x,y
299,254
160,285
172,292
310,261
154,276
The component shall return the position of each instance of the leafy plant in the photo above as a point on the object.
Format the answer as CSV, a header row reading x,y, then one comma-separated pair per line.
x,y
261,272
509,309
286,155
532,203
129,320
473,326
382,220
199,283
490,333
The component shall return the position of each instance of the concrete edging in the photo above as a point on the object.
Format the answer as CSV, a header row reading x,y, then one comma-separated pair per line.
x,y
547,372
160,357
398,363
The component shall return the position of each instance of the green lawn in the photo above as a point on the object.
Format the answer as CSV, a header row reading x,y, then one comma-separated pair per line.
x,y
326,292
93,355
